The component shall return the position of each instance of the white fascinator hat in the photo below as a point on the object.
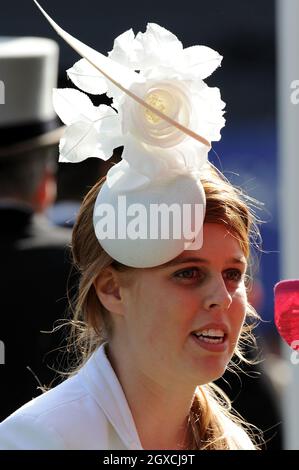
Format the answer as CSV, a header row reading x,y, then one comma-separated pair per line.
x,y
152,205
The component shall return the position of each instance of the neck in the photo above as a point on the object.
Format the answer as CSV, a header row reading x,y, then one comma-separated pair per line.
x,y
160,413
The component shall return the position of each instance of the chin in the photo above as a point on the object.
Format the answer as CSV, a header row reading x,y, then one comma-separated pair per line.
x,y
213,369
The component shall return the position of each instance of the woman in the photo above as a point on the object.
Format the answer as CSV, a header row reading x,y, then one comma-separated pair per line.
x,y
144,378
158,318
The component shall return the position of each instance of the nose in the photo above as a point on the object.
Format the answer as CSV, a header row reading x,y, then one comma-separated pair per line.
x,y
217,296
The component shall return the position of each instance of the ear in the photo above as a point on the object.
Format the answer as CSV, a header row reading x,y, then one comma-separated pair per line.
x,y
108,290
45,193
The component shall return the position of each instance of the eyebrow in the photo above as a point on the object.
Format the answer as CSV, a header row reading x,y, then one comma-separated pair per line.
x,y
234,260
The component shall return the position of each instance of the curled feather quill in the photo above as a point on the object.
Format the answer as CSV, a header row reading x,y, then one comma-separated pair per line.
x,y
111,69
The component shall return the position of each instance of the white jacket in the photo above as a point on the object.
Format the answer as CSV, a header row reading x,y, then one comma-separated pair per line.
x,y
88,411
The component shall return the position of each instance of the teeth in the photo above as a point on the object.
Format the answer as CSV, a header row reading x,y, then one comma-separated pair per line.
x,y
210,332
211,340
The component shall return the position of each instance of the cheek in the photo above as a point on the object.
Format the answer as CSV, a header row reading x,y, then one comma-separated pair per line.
x,y
167,313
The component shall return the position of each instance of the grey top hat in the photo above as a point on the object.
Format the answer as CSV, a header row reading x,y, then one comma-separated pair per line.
x,y
28,74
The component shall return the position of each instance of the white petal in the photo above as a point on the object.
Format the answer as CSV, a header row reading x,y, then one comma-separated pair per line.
x,y
167,162
109,124
121,177
156,35
79,142
93,137
201,61
157,46
86,77
194,154
144,159
123,50
208,108
109,133
71,105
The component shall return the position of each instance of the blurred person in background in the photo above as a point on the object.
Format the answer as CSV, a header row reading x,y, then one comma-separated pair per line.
x,y
73,183
34,255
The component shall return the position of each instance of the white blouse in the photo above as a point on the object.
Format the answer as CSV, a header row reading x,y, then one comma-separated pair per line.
x,y
88,411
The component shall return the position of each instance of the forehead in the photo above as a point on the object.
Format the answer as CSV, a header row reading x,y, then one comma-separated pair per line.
x,y
218,245
217,237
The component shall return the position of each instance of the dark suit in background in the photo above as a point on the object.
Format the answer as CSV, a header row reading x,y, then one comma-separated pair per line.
x,y
33,278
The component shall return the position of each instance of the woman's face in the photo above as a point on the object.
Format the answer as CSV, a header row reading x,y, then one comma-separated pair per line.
x,y
200,291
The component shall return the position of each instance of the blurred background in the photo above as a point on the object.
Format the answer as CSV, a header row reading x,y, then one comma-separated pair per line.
x,y
245,34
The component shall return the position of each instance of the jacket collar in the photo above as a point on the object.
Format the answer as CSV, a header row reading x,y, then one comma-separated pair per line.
x,y
102,383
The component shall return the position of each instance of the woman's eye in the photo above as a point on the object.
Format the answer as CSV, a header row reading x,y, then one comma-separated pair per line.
x,y
190,273
234,275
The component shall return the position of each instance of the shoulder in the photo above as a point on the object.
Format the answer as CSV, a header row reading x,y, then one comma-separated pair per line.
x,y
66,417
24,432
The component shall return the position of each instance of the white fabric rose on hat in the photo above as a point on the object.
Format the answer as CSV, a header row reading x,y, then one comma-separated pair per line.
x,y
170,79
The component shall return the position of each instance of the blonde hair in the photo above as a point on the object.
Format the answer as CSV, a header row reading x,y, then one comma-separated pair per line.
x,y
211,409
